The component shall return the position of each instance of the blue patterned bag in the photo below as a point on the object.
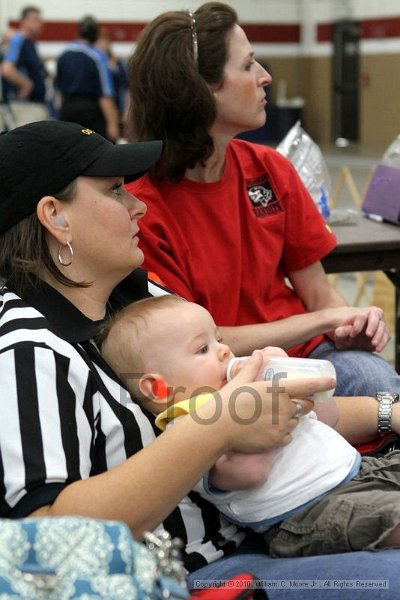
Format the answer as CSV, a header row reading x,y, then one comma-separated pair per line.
x,y
68,558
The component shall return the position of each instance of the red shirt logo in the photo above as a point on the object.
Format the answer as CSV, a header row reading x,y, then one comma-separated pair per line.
x,y
263,199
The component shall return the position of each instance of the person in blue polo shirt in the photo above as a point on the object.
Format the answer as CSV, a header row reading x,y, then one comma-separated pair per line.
x,y
24,76
85,83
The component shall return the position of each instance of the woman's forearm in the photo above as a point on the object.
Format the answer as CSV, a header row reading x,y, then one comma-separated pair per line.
x,y
358,418
285,333
143,490
123,493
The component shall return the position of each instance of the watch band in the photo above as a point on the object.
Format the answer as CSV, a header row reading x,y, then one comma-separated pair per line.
x,y
385,400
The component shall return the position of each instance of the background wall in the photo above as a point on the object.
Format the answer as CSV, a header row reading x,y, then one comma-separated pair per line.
x,y
291,36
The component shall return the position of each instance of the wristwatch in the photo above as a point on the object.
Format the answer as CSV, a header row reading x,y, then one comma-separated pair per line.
x,y
385,399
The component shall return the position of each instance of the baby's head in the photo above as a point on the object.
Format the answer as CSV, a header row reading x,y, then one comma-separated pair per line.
x,y
166,349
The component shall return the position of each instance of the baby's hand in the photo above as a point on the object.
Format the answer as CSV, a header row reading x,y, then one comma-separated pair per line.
x,y
273,351
267,352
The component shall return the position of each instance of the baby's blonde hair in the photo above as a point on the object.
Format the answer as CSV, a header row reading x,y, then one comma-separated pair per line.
x,y
126,338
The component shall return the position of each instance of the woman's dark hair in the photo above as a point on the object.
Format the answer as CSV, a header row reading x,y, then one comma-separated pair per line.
x,y
171,91
24,252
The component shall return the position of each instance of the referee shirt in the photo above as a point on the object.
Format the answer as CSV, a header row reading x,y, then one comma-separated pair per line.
x,y
66,417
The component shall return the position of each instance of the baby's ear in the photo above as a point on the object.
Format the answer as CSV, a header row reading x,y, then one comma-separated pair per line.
x,y
153,387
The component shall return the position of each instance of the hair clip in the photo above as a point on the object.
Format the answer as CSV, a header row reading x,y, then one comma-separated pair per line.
x,y
194,37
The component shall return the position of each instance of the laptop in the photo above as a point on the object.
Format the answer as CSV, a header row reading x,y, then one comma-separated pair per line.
x,y
383,194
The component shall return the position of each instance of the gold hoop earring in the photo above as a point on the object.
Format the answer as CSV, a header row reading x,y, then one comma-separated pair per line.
x,y
60,260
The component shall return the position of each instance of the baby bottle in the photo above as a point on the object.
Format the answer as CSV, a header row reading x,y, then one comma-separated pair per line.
x,y
280,367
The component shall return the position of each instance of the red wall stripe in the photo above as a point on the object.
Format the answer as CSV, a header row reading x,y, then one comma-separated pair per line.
x,y
370,29
273,33
64,31
380,28
324,32
61,31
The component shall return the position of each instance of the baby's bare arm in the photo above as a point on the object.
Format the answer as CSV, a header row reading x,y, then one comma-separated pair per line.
x,y
327,411
237,471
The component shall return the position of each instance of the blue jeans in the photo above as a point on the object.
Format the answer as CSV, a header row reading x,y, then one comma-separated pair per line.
x,y
334,576
358,373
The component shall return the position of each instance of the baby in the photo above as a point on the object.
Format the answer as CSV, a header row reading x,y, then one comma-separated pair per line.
x,y
169,354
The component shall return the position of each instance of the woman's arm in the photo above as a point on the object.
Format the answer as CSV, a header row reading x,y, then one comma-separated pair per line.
x,y
162,472
313,287
364,329
349,327
358,418
291,331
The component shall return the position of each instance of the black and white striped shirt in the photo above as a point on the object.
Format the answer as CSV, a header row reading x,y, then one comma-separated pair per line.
x,y
65,416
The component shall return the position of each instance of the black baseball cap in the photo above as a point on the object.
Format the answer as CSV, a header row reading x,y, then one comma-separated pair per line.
x,y
42,158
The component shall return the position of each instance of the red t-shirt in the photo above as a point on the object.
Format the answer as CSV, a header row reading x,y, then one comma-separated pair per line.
x,y
227,245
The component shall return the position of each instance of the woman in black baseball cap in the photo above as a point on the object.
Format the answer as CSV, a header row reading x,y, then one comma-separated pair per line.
x,y
72,440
